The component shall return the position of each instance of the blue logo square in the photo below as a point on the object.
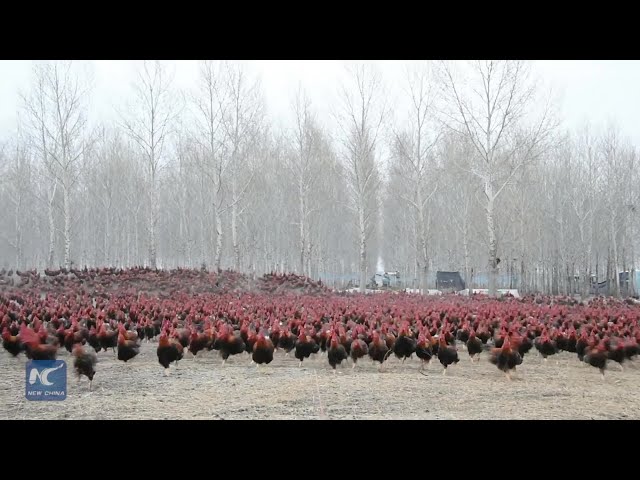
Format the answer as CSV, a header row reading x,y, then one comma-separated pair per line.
x,y
46,380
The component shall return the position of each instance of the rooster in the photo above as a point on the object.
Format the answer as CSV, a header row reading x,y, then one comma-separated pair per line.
x,y
305,346
617,354
447,355
378,350
404,346
336,352
262,350
287,341
93,340
229,343
597,357
168,351
545,346
505,358
84,362
581,345
423,351
127,349
34,349
198,342
108,339
11,343
474,346
359,349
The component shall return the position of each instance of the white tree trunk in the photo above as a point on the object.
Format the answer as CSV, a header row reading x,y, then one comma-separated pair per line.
x,y
234,233
615,291
67,226
302,230
52,228
218,240
363,249
424,260
153,218
493,244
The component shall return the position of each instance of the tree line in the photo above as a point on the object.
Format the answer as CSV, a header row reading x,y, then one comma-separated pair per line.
x,y
471,172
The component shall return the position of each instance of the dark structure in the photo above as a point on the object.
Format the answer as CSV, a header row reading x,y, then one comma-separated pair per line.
x,y
451,281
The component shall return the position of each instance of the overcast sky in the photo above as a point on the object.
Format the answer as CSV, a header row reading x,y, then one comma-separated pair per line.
x,y
599,91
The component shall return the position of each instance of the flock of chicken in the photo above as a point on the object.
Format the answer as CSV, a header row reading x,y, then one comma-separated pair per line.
x,y
345,327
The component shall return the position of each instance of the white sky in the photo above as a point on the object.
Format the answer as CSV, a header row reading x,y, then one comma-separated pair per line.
x,y
599,91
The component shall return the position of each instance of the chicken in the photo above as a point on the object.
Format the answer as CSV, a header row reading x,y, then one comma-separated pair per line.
x,y
359,349
149,331
183,336
262,350
447,355
108,339
229,343
84,362
71,338
93,340
581,345
505,358
423,350
305,346
474,346
631,348
597,356
617,354
287,341
336,352
378,349
11,343
522,343
404,346
169,351
34,349
127,349
198,342
545,345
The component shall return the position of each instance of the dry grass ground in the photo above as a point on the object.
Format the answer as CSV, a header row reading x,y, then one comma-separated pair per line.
x,y
203,389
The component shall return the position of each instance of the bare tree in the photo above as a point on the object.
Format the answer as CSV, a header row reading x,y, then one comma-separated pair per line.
x,y
149,124
210,101
360,121
241,117
490,113
57,112
306,164
414,159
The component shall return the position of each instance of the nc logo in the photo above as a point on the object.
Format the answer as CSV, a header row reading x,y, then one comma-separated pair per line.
x,y
46,380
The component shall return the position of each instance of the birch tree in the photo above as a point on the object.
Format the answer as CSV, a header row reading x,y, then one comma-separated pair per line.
x,y
306,165
149,123
414,160
210,103
490,111
360,120
241,118
58,117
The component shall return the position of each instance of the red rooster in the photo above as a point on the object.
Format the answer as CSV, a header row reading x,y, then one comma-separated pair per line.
x,y
336,352
447,355
262,350
84,362
34,349
11,343
378,350
168,351
359,349
505,358
305,346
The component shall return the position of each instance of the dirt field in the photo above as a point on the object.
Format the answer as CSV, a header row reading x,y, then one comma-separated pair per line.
x,y
203,389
